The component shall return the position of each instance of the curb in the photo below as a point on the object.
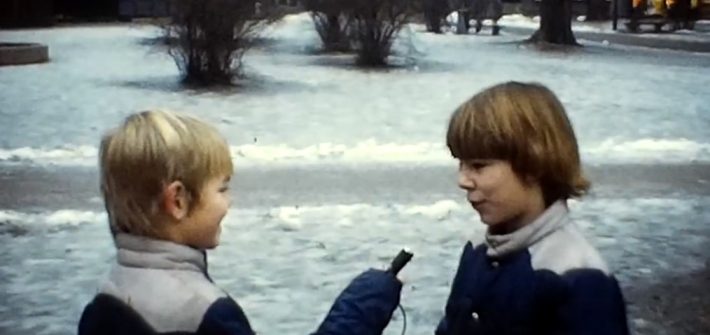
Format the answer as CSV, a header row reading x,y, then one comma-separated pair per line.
x,y
23,53
628,39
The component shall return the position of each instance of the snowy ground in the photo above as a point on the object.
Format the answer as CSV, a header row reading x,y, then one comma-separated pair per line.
x,y
337,168
619,100
285,264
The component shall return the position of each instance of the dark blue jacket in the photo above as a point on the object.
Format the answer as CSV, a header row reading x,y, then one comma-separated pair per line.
x,y
159,287
365,307
542,279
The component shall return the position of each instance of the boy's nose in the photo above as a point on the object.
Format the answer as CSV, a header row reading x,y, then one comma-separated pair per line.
x,y
465,181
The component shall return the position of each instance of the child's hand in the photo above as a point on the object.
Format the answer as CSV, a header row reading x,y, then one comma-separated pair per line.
x,y
402,277
365,306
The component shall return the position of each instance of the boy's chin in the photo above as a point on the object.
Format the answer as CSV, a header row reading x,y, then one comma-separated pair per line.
x,y
215,240
212,244
207,245
487,220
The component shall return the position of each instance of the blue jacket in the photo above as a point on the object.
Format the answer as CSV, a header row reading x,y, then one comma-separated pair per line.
x,y
542,279
159,287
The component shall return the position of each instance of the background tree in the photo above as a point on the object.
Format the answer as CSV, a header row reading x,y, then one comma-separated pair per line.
x,y
555,23
208,38
376,25
332,22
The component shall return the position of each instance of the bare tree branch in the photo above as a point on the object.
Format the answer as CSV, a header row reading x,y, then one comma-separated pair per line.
x,y
211,37
376,25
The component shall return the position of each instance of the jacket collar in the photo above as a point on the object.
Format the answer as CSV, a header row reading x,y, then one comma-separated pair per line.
x,y
143,252
552,219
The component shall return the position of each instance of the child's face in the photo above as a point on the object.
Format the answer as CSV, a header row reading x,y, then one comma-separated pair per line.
x,y
504,201
202,227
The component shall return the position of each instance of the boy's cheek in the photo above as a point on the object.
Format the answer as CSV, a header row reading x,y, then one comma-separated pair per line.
x,y
214,240
227,200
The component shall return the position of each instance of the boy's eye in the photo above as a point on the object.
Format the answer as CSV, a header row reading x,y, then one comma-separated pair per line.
x,y
224,189
476,165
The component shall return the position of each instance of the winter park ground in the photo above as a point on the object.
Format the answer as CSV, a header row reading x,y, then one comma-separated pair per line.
x,y
337,168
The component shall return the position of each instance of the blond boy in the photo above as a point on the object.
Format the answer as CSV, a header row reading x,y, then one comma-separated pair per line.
x,y
165,182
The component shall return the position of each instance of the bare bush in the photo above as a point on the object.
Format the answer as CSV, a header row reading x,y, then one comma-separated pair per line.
x,y
376,25
210,37
332,21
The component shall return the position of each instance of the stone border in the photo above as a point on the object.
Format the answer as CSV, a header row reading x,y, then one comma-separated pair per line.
x,y
23,53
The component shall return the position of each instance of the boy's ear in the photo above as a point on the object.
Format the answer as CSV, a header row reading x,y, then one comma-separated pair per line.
x,y
176,201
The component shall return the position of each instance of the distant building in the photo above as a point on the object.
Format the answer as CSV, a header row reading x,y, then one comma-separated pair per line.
x,y
33,13
29,13
129,9
26,13
86,9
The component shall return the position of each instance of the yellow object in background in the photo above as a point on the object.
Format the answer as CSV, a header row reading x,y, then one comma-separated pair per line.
x,y
659,7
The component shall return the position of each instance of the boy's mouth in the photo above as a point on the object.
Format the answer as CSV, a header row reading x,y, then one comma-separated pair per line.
x,y
475,200
477,204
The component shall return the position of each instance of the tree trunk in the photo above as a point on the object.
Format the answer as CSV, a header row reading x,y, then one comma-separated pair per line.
x,y
462,24
434,12
555,23
336,39
433,22
597,10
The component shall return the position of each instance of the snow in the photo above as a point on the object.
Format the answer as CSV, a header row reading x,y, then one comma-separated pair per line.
x,y
299,107
271,257
611,150
522,21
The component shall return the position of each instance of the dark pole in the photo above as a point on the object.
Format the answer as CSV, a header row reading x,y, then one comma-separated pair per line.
x,y
615,14
15,18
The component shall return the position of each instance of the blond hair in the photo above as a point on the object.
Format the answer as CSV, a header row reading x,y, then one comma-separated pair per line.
x,y
147,152
526,125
